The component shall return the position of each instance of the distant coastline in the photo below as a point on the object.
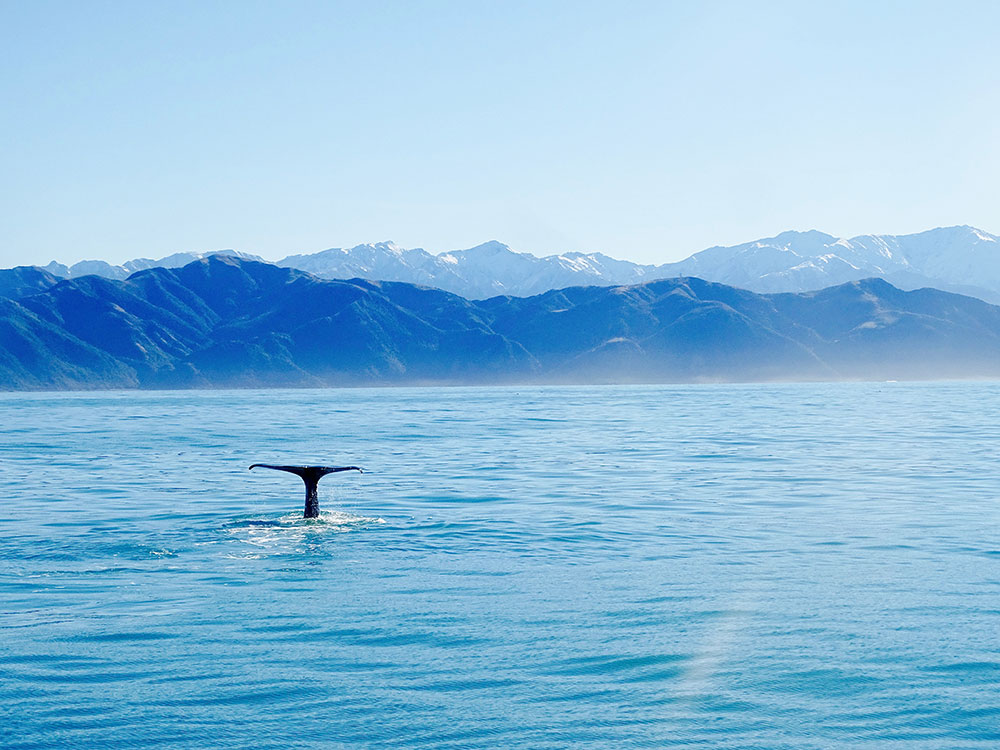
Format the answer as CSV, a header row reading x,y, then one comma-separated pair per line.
x,y
225,322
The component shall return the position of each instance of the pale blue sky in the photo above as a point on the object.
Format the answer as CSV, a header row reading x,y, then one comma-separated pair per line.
x,y
644,130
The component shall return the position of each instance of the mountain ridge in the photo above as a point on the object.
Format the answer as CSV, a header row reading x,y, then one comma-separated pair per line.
x,y
225,322
960,259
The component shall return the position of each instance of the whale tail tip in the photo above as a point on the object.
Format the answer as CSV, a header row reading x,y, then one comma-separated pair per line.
x,y
311,476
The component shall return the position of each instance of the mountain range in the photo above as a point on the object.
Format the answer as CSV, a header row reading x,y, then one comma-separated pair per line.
x,y
223,321
960,259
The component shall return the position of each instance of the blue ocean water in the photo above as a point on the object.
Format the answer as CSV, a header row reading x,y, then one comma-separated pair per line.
x,y
760,566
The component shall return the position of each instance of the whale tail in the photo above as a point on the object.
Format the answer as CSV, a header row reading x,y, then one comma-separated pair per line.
x,y
311,476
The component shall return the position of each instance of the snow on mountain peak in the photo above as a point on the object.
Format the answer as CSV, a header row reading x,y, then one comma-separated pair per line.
x,y
388,246
493,247
953,258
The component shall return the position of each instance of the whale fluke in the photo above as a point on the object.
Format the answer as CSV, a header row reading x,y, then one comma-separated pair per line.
x,y
311,476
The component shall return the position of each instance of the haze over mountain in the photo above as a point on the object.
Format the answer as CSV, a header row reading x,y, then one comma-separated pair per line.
x,y
222,321
111,271
960,259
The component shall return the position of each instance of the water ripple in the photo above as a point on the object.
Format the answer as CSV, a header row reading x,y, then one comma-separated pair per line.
x,y
790,566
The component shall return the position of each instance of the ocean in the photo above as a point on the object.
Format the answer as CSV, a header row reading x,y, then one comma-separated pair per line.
x,y
710,566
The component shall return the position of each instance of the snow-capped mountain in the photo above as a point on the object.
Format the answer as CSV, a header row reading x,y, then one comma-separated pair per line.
x,y
959,259
384,261
479,272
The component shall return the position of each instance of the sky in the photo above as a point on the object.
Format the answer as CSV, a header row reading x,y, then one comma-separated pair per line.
x,y
647,131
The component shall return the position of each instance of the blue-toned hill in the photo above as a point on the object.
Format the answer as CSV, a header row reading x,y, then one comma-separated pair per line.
x,y
24,280
228,322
